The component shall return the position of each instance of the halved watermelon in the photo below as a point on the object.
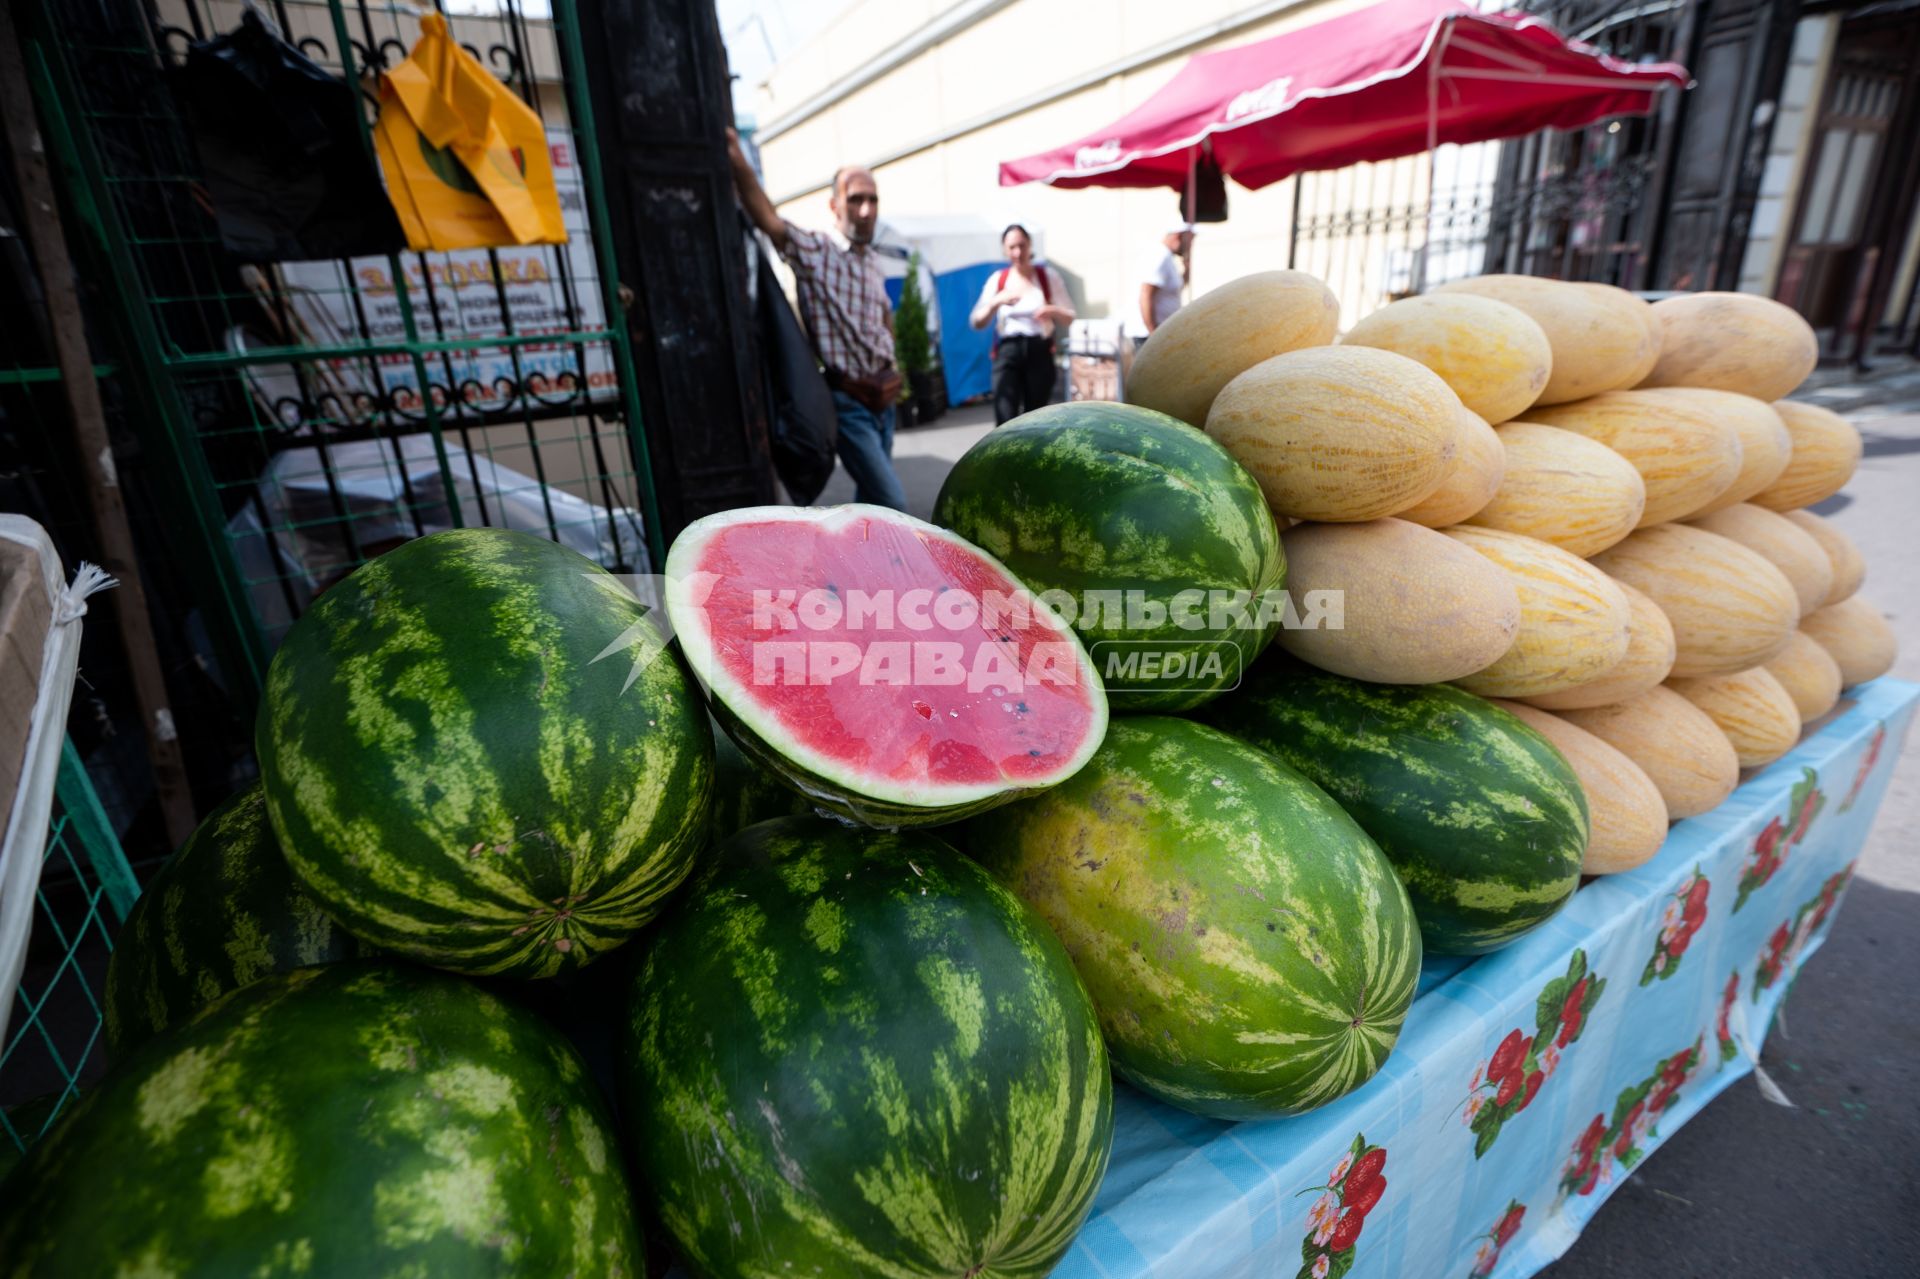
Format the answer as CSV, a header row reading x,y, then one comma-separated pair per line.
x,y
889,670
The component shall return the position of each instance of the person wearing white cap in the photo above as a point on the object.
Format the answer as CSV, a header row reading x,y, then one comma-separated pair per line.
x,y
1161,279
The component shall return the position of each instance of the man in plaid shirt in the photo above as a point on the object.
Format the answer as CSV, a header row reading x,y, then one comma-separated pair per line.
x,y
843,303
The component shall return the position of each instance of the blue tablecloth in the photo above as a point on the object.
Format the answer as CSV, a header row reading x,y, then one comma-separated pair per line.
x,y
1687,998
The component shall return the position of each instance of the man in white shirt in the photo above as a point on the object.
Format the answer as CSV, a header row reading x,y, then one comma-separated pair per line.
x,y
1161,281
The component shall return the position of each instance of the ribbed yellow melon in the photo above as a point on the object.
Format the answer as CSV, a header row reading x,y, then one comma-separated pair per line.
x,y
1687,456
1632,306
1858,636
1419,608
1751,708
1493,355
1765,444
1564,488
1223,333
1648,662
1849,566
1674,742
1733,342
1809,674
1826,449
1600,342
1628,815
1471,477
1729,607
1781,543
1573,618
1339,433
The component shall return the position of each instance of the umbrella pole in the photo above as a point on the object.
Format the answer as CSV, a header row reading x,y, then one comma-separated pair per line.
x,y
1187,211
1433,150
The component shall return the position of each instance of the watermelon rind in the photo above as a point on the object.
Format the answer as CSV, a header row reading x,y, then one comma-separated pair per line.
x,y
1092,497
224,911
853,1053
479,752
1483,819
1249,949
361,1118
859,796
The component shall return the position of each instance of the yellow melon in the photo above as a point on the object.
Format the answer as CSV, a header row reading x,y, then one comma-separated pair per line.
x,y
1675,743
1648,662
1781,544
1826,449
1418,608
1849,566
1729,607
1223,333
1765,443
1600,342
1339,433
1687,456
1733,342
1858,636
1573,618
1628,817
1471,477
1564,488
1809,674
1751,708
1636,308
1493,355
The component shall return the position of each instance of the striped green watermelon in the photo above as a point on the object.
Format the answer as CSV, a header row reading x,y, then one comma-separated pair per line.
x,y
745,793
853,1054
363,1118
478,753
884,668
1098,497
1247,946
223,912
1482,818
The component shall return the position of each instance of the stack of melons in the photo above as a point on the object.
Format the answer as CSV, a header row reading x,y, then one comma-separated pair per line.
x,y
1559,496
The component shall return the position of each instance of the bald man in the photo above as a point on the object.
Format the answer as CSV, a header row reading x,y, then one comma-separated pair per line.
x,y
843,303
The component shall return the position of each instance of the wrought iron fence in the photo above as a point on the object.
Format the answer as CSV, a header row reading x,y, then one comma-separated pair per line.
x,y
314,413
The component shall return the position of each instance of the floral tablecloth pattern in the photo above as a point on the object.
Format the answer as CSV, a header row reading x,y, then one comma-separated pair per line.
x,y
1527,1084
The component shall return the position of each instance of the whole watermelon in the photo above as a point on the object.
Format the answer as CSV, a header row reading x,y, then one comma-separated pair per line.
x,y
1483,819
478,754
363,1118
852,1053
224,911
1098,497
1247,946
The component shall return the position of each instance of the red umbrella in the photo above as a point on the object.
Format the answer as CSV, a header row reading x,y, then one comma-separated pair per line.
x,y
1390,80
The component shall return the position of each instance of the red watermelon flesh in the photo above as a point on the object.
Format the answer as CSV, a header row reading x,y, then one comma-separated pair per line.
x,y
892,671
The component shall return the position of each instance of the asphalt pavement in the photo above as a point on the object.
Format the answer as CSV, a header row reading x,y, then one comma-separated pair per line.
x,y
1830,1185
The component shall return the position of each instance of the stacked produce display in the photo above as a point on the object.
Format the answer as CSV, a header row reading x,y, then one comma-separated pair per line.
x,y
1172,745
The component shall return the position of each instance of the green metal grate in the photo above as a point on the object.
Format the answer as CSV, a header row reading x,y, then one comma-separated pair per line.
x,y
53,1043
317,413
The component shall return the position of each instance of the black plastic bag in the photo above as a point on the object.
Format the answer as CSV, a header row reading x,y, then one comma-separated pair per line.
x,y
804,424
280,151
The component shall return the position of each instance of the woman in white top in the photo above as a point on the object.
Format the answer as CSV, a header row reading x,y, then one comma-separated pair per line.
x,y
1025,303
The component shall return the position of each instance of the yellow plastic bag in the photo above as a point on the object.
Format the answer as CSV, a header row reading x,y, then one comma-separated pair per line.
x,y
466,161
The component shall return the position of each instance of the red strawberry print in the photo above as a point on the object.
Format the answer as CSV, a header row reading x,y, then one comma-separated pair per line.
x,y
1509,1227
1365,1172
1697,897
1593,1178
1508,1056
1509,1085
1569,1027
1769,837
1590,1139
1347,1231
1363,1201
1534,1081
1678,946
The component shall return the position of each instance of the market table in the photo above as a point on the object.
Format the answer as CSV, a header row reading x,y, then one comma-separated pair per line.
x,y
1656,994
